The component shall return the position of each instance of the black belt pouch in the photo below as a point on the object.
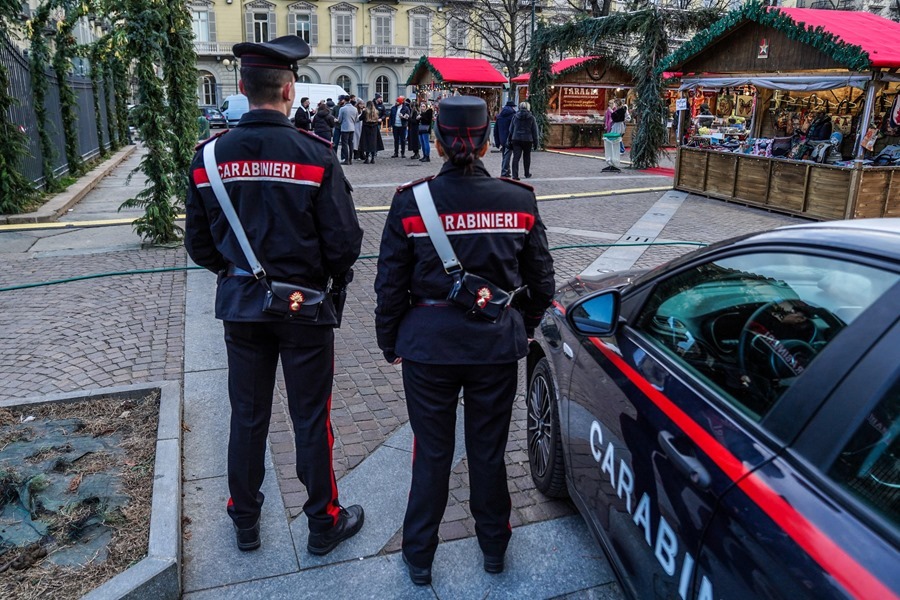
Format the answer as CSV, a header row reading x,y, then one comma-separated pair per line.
x,y
481,298
292,301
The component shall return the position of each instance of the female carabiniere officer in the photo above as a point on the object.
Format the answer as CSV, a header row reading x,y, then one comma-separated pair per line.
x,y
496,232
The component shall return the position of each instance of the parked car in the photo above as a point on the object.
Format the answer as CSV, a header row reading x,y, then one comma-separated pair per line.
x,y
728,424
215,118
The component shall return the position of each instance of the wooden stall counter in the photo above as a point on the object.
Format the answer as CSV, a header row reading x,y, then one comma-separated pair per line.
x,y
806,189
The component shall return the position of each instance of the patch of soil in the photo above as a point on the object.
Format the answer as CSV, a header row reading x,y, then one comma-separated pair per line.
x,y
76,483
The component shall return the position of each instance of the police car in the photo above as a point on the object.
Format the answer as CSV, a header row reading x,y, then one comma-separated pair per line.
x,y
728,424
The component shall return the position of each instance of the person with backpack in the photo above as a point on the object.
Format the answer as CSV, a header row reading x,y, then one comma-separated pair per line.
x,y
523,136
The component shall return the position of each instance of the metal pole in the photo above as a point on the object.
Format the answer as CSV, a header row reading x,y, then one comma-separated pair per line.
x,y
866,117
533,2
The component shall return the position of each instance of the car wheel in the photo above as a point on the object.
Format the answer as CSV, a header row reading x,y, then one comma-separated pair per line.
x,y
544,444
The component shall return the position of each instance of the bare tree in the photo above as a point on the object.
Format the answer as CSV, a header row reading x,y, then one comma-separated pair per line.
x,y
594,8
498,30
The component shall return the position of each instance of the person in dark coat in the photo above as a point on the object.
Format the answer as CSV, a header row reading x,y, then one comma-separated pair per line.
x,y
294,204
301,117
412,129
370,142
397,122
426,118
382,111
323,122
523,136
501,136
497,233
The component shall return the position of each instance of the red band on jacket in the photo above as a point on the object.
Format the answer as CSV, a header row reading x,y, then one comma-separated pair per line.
x,y
474,222
264,170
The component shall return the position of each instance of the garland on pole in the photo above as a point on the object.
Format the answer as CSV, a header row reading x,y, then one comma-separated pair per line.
x,y
39,59
181,83
119,70
850,55
15,189
95,52
146,31
106,66
68,100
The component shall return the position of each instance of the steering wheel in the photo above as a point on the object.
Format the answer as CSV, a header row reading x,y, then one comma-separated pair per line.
x,y
777,341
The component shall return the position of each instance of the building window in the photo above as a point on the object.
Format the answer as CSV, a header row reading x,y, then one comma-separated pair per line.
x,y
303,22
304,79
208,94
200,26
456,35
344,82
260,27
382,30
420,35
383,87
343,30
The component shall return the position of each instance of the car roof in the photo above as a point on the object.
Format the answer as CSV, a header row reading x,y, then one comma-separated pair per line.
x,y
880,237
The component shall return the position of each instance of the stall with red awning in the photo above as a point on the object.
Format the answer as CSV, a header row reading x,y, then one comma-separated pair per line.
x,y
435,77
793,109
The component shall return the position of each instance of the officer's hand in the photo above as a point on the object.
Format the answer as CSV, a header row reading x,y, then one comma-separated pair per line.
x,y
397,361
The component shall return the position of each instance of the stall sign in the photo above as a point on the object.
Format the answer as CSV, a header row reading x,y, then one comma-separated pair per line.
x,y
581,100
681,104
763,49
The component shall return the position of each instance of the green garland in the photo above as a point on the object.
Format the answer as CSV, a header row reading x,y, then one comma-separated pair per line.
x,y
115,141
119,71
39,59
97,80
424,62
181,83
68,100
146,30
647,29
849,55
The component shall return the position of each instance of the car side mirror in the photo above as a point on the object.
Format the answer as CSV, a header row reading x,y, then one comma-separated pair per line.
x,y
596,315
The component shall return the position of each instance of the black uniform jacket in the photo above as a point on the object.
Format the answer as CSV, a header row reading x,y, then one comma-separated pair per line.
x,y
293,201
497,233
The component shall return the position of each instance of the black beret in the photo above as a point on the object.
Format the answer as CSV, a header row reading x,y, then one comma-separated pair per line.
x,y
462,124
280,53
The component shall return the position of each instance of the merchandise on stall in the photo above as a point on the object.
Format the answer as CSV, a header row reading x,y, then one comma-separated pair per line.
x,y
440,77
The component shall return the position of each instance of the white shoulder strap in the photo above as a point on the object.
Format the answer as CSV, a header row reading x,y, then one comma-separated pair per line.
x,y
435,229
215,181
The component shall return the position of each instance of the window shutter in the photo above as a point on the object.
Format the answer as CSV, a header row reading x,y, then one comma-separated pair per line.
x,y
313,29
248,27
272,32
212,26
292,24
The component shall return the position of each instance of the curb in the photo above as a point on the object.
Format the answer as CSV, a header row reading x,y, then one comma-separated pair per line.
x,y
158,575
63,201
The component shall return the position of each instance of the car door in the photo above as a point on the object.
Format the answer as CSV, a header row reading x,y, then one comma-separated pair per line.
x,y
669,408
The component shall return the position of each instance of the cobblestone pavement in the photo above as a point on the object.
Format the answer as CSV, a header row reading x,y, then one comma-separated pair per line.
x,y
130,329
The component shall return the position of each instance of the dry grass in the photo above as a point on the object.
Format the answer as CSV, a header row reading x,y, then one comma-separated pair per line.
x,y
135,422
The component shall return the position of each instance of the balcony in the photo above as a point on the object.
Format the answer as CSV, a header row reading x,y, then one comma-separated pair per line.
x,y
213,48
377,53
343,51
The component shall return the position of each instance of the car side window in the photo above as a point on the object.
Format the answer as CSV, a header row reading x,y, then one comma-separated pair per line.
x,y
869,465
749,325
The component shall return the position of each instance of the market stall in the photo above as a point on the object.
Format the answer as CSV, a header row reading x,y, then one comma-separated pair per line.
x,y
581,91
439,77
793,109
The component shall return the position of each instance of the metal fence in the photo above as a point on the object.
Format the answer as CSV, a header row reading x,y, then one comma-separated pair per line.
x,y
22,113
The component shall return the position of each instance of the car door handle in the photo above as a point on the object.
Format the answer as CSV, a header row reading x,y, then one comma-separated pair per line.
x,y
685,463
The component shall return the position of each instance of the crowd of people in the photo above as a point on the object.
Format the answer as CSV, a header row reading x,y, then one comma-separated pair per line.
x,y
354,126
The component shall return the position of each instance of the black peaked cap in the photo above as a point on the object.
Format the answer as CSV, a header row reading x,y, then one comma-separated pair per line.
x,y
280,53
462,124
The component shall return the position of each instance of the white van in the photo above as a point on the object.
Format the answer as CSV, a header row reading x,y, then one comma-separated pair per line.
x,y
234,108
315,92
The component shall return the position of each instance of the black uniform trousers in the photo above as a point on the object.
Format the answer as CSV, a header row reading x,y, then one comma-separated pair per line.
x,y
432,392
307,359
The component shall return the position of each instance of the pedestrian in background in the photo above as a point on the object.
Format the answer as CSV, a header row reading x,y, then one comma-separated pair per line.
x,y
397,122
336,113
357,134
426,118
301,117
323,121
618,122
501,136
371,141
347,118
382,111
442,348
305,229
412,130
523,136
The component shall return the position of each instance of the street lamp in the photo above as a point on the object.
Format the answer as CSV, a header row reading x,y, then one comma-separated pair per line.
x,y
232,66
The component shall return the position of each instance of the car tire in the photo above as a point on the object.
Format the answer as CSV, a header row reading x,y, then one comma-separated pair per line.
x,y
545,455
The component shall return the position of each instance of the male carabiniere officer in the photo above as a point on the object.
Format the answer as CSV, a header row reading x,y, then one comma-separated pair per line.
x,y
295,206
496,232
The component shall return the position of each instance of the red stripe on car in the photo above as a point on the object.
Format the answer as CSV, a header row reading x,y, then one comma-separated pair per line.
x,y
831,557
